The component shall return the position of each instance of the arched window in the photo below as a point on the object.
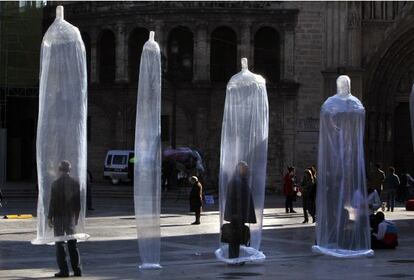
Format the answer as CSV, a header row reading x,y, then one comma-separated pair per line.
x,y
223,57
267,54
87,42
106,49
180,54
137,39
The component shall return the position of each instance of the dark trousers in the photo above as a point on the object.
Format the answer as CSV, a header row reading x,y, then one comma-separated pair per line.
x,y
73,253
391,201
234,250
197,215
379,244
234,245
308,206
289,203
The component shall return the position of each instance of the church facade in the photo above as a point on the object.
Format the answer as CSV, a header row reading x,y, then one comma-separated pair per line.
x,y
298,47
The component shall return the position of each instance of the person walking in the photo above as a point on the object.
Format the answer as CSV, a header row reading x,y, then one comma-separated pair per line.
x,y
377,178
289,185
307,185
196,198
391,184
64,210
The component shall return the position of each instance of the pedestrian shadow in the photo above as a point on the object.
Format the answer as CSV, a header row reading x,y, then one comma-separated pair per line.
x,y
282,215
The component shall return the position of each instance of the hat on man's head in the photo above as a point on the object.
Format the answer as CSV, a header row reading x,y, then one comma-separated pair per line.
x,y
65,166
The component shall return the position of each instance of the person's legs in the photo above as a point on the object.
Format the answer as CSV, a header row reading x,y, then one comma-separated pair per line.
x,y
392,201
234,250
61,260
388,201
291,204
197,217
377,244
74,257
287,204
305,209
312,209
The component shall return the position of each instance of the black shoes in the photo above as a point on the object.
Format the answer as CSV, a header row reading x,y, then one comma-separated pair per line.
x,y
305,221
292,211
196,223
62,274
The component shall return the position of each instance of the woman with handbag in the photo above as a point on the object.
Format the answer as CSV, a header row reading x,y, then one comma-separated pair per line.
x,y
239,210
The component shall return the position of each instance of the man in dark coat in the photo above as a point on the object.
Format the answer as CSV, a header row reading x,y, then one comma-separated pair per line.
x,y
63,216
196,198
239,207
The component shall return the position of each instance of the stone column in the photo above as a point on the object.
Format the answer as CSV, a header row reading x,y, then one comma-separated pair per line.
x,y
245,49
354,26
160,36
121,55
287,67
94,56
336,35
201,55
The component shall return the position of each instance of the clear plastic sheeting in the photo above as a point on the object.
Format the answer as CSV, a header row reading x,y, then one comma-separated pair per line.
x,y
243,168
342,228
147,179
412,114
61,135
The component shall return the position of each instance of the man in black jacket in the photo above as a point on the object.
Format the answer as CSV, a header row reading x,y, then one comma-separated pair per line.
x,y
239,209
63,216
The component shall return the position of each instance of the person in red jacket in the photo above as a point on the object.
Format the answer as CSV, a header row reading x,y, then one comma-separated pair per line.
x,y
289,189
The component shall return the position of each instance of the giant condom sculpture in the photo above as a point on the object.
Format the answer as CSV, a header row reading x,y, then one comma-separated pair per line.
x,y
243,168
147,172
61,134
342,228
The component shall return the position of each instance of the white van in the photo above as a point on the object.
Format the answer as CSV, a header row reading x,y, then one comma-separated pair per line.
x,y
119,166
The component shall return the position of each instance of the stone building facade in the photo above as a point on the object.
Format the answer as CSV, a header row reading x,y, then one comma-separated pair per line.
x,y
299,47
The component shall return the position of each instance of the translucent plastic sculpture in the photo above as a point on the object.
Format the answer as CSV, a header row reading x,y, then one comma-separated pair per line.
x,y
342,228
412,114
61,134
147,179
243,168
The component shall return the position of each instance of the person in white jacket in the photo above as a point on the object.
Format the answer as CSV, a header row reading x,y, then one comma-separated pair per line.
x,y
373,200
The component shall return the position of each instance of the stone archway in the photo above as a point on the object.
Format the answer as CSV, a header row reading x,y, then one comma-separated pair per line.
x,y
388,86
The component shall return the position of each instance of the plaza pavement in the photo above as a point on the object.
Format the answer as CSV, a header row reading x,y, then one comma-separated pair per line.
x,y
187,251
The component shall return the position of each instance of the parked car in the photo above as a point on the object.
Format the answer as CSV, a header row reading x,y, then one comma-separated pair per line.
x,y
118,166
